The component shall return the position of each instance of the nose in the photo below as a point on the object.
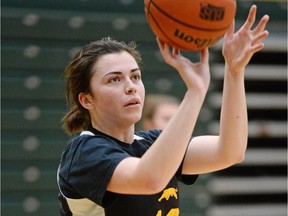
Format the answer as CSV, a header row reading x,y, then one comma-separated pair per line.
x,y
130,87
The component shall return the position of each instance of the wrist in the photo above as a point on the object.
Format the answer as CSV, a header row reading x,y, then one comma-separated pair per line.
x,y
196,95
235,72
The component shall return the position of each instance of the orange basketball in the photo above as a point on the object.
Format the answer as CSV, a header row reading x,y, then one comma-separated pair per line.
x,y
190,25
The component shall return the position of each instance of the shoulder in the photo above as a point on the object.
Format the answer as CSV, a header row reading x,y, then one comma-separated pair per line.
x,y
86,148
151,135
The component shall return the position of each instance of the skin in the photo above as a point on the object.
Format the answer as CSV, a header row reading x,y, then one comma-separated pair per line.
x,y
230,146
151,173
162,114
117,96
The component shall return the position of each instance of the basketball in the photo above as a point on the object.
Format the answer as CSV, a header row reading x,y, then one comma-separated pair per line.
x,y
190,25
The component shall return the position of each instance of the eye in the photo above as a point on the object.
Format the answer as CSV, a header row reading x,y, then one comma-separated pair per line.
x,y
114,80
136,77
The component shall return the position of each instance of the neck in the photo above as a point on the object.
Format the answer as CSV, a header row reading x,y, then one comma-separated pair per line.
x,y
123,134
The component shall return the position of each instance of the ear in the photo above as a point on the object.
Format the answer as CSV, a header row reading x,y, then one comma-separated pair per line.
x,y
86,100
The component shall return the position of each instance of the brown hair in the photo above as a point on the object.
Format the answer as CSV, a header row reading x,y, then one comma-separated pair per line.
x,y
77,77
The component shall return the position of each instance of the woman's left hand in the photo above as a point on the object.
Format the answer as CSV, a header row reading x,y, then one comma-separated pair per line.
x,y
238,48
196,75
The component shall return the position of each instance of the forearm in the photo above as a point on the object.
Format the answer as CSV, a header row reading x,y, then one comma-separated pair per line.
x,y
233,120
164,157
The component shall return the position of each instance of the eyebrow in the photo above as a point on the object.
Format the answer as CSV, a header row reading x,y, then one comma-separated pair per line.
x,y
119,72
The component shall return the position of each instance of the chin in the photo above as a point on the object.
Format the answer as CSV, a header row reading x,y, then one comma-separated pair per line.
x,y
135,119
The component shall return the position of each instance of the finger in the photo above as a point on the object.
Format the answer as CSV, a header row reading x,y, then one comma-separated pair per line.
x,y
260,37
160,44
175,51
164,48
230,31
204,56
251,18
262,24
256,48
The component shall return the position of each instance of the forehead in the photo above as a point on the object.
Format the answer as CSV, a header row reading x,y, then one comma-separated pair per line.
x,y
115,62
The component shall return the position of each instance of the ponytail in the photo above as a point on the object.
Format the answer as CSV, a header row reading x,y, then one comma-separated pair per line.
x,y
76,120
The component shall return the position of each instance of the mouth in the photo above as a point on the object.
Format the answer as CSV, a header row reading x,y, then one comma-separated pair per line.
x,y
133,102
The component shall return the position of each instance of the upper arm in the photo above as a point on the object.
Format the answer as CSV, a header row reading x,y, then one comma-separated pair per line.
x,y
127,179
130,176
203,156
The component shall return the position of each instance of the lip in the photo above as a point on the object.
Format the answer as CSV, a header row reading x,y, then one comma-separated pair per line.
x,y
132,102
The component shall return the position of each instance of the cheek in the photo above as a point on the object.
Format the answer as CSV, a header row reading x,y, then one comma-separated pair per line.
x,y
141,91
104,98
100,89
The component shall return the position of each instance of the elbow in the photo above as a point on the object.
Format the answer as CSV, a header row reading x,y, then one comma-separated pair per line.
x,y
154,185
233,160
235,157
239,158
240,154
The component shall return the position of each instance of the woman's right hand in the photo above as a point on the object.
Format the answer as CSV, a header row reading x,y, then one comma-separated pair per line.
x,y
195,75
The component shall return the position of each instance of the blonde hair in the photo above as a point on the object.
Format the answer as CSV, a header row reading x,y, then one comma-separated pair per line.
x,y
153,101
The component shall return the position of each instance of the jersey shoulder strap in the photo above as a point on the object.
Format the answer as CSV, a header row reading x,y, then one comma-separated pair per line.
x,y
89,133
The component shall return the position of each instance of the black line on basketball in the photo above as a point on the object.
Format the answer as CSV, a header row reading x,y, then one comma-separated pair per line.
x,y
185,24
159,27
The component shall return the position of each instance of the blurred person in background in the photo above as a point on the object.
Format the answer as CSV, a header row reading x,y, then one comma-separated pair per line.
x,y
158,110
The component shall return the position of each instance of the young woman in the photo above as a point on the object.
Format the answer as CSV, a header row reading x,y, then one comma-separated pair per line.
x,y
136,174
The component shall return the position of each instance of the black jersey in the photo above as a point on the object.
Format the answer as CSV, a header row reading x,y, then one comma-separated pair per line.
x,y
86,167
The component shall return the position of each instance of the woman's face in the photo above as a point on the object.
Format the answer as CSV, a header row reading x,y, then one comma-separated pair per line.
x,y
117,90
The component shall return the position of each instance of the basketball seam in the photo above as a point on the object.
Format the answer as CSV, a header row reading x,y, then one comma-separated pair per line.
x,y
148,9
185,24
159,27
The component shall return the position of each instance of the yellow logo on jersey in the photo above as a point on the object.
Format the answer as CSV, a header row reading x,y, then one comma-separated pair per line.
x,y
172,212
170,192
